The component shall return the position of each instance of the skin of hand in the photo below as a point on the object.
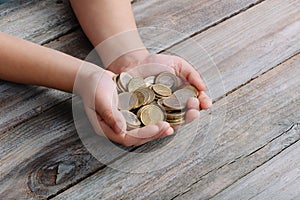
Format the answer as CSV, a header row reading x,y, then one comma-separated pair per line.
x,y
99,94
181,68
104,19
24,62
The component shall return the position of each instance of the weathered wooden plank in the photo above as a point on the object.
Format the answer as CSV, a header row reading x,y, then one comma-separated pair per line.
x,y
46,20
224,176
277,179
257,114
79,177
37,21
20,102
52,19
186,17
251,43
42,156
281,38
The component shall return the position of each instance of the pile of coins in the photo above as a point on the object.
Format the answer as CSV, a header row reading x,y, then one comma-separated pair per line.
x,y
156,98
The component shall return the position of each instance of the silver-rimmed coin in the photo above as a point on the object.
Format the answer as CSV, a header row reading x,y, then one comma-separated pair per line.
x,y
127,101
135,83
168,79
150,80
124,80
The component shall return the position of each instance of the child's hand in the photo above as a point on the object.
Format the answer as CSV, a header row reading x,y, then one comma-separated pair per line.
x,y
181,67
98,92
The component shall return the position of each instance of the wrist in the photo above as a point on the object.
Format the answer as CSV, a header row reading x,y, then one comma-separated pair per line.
x,y
123,46
86,79
127,61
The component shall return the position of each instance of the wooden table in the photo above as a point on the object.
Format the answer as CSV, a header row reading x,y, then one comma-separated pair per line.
x,y
253,126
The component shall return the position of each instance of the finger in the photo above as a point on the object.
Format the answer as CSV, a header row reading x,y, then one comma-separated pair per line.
x,y
191,115
150,131
94,120
193,103
114,119
188,72
166,133
205,101
129,140
106,104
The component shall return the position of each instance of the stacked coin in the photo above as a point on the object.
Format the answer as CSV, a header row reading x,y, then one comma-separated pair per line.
x,y
153,99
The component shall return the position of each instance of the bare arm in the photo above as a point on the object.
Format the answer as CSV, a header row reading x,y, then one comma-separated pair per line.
x,y
111,27
107,22
28,63
101,19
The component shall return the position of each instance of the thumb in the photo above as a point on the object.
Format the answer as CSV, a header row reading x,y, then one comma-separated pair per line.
x,y
106,107
114,119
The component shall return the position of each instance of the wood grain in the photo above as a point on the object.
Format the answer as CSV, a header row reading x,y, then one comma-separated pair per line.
x,y
244,46
222,177
267,53
20,102
40,157
183,18
111,176
256,115
37,21
277,179
53,19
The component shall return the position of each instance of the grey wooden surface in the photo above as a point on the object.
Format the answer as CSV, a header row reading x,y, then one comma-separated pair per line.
x,y
253,80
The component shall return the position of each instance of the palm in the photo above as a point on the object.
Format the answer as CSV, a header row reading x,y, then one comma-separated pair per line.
x,y
101,107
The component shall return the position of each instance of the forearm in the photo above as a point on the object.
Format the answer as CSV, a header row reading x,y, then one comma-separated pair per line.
x,y
101,19
28,63
111,27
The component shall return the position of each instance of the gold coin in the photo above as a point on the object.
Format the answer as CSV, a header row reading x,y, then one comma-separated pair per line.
x,y
141,98
124,80
173,103
136,83
151,114
138,114
150,94
160,103
127,101
119,86
168,79
116,79
131,119
178,123
150,80
175,120
162,90
174,116
144,96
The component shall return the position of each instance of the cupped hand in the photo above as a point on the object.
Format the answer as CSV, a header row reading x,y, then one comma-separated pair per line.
x,y
134,61
98,92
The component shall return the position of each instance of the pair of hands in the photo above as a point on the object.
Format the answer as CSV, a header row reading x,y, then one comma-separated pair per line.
x,y
100,96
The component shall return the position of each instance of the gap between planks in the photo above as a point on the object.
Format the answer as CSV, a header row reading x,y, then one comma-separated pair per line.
x,y
67,20
253,153
274,140
282,61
